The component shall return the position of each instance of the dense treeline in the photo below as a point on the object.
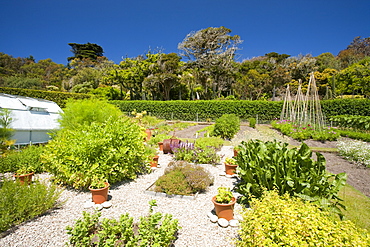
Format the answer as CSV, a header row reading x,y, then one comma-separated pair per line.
x,y
209,72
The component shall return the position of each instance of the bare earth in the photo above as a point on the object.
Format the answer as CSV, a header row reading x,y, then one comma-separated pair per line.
x,y
357,176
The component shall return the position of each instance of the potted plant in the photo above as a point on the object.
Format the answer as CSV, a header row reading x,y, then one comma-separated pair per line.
x,y
230,166
24,174
224,203
160,145
99,190
236,150
154,163
152,155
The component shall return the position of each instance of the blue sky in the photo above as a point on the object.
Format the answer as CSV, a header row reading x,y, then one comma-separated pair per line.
x,y
43,28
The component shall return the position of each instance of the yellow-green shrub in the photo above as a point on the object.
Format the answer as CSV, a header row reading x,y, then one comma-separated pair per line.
x,y
286,221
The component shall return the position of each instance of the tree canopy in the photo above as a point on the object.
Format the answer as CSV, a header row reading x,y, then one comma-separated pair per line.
x,y
89,50
209,70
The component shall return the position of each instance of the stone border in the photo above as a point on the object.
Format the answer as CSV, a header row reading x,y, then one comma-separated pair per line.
x,y
162,194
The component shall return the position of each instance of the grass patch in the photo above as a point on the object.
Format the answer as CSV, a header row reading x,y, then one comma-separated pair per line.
x,y
357,205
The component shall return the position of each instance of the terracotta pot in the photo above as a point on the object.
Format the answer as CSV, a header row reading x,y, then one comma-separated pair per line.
x,y
160,144
100,195
230,169
154,163
225,211
26,178
148,134
168,144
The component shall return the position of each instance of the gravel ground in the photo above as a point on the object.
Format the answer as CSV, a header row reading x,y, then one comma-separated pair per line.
x,y
129,197
197,230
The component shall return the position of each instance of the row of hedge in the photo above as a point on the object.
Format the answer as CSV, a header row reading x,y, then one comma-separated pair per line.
x,y
58,97
212,109
203,110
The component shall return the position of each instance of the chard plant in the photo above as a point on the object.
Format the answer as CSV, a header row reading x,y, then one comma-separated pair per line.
x,y
272,165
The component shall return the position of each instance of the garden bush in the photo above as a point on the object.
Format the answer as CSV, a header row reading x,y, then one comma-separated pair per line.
x,y
286,221
182,178
28,156
19,202
87,111
272,165
113,151
155,229
226,126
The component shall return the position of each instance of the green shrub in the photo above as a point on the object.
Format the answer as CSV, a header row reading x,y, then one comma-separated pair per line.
x,y
19,203
173,183
252,122
87,111
284,221
113,150
25,157
271,165
226,126
155,229
182,178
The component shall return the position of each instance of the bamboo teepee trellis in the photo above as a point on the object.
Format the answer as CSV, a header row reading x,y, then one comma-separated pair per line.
x,y
304,109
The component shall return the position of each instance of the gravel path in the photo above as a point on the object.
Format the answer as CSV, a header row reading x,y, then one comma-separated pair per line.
x,y
129,197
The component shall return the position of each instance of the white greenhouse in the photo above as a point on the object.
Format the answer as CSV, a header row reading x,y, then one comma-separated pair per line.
x,y
32,118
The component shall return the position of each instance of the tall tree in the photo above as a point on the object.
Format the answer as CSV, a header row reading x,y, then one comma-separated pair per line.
x,y
212,51
327,61
130,74
166,74
357,50
83,51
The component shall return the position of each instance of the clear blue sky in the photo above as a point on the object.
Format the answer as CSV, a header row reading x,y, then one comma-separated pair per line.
x,y
43,28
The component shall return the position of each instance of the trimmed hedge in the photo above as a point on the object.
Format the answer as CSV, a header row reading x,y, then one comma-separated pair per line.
x,y
58,97
335,107
203,110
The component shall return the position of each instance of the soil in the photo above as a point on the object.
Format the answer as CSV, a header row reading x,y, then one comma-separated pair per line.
x,y
357,176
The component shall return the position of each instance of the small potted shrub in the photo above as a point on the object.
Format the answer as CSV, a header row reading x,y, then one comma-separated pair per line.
x,y
99,190
24,174
236,150
230,166
153,156
224,203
